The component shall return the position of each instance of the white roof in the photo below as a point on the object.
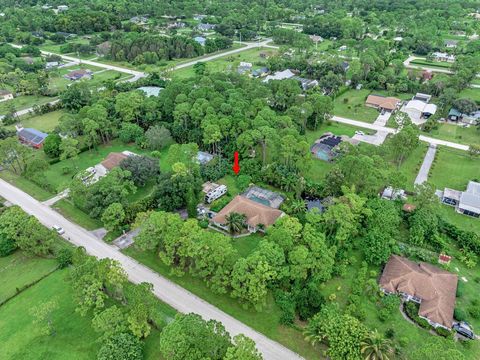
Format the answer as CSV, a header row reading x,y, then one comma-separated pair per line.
x,y
280,75
430,109
473,188
151,90
415,105
470,202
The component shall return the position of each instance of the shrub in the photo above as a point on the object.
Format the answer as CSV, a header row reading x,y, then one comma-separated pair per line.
x,y
286,303
390,333
460,288
66,170
474,311
64,258
443,332
121,347
460,314
203,223
7,246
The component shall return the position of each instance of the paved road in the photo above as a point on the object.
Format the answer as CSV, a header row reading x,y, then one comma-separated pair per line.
x,y
165,290
29,110
426,165
248,46
136,74
388,130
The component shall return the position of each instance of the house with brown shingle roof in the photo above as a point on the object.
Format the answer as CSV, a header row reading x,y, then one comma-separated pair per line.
x,y
433,288
258,216
382,102
113,160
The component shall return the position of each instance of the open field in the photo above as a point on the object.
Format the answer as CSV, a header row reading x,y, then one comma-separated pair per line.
x,y
351,105
45,122
50,46
412,164
473,93
74,338
453,168
60,181
26,185
227,63
74,214
23,102
18,270
438,64
456,133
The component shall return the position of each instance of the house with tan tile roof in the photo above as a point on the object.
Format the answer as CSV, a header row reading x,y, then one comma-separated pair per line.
x,y
258,216
382,102
433,288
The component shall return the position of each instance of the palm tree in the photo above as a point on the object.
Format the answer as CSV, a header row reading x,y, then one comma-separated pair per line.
x,y
236,222
297,206
376,347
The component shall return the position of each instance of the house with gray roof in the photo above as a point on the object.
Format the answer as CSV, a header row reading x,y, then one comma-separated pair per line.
x,y
465,202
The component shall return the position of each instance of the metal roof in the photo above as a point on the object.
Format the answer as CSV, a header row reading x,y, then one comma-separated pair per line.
x,y
32,135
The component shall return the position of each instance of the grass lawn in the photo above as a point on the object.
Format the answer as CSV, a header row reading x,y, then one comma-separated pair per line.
x,y
74,339
266,321
351,105
45,122
462,221
23,102
318,167
412,164
50,46
74,214
60,181
230,62
472,93
18,270
246,245
438,64
453,168
26,185
456,133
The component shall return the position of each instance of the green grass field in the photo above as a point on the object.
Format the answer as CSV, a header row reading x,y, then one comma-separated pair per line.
x,y
26,185
74,338
18,270
60,181
23,102
453,168
472,93
74,214
227,63
410,167
351,105
45,122
456,133
433,64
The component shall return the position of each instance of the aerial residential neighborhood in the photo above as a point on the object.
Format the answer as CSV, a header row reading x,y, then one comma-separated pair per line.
x,y
240,180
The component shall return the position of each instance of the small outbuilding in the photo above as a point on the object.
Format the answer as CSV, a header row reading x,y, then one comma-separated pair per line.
x,y
31,137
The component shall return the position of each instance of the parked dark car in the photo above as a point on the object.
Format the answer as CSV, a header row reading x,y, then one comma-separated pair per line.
x,y
464,329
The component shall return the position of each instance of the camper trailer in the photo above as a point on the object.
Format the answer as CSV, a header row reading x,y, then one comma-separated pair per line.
x,y
215,193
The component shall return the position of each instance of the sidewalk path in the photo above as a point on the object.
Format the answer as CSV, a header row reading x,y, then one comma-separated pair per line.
x,y
167,291
426,165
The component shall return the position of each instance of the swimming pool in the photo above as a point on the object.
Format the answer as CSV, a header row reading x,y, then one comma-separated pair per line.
x,y
259,200
323,154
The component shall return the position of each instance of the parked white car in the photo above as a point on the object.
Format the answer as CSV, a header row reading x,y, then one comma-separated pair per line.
x,y
358,132
58,229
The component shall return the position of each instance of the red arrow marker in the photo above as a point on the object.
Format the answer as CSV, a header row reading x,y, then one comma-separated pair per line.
x,y
236,167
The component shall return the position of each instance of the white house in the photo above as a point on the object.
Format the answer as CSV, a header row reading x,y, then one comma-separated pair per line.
x,y
5,95
280,75
444,57
465,202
